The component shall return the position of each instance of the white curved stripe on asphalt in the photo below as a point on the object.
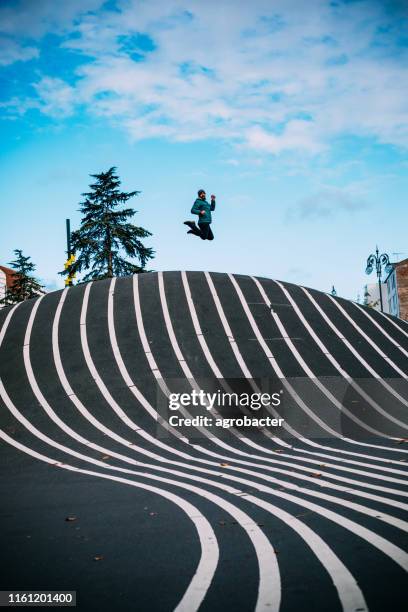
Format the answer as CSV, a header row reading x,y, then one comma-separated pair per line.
x,y
158,376
367,338
286,383
332,359
316,381
210,482
343,579
83,318
269,583
349,593
189,375
219,375
111,434
357,507
123,370
389,319
360,358
139,431
7,321
263,549
381,329
207,565
277,370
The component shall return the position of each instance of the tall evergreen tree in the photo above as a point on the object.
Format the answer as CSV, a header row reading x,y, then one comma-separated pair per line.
x,y
24,286
105,232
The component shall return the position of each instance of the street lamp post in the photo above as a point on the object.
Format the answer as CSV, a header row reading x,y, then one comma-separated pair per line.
x,y
379,261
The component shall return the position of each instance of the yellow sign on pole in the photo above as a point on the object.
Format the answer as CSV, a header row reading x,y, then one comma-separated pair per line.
x,y
71,276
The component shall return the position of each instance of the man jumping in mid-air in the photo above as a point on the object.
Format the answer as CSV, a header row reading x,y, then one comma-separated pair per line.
x,y
203,209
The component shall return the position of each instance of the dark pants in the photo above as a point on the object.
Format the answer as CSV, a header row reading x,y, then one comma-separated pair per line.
x,y
205,231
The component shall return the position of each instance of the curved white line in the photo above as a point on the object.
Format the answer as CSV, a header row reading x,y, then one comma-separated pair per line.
x,y
373,372
158,376
185,367
123,370
367,338
286,383
389,319
217,372
119,439
268,570
7,321
189,375
269,573
207,565
236,451
349,593
316,381
86,414
269,355
332,359
382,330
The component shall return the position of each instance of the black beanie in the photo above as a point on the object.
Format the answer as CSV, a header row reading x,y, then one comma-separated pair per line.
x,y
200,191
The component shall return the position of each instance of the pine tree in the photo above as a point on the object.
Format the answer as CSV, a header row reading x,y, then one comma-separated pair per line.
x,y
24,286
105,232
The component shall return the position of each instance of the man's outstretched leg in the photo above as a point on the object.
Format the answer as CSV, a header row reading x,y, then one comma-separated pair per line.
x,y
193,228
191,224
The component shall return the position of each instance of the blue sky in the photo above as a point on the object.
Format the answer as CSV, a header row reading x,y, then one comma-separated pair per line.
x,y
294,114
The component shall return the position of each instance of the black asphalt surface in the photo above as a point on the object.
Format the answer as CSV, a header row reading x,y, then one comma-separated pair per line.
x,y
310,516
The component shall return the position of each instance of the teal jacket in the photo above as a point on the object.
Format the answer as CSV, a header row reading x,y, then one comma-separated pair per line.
x,y
200,205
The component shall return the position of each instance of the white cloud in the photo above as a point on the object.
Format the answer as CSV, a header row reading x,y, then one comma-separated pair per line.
x,y
11,51
299,135
327,202
269,77
57,98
